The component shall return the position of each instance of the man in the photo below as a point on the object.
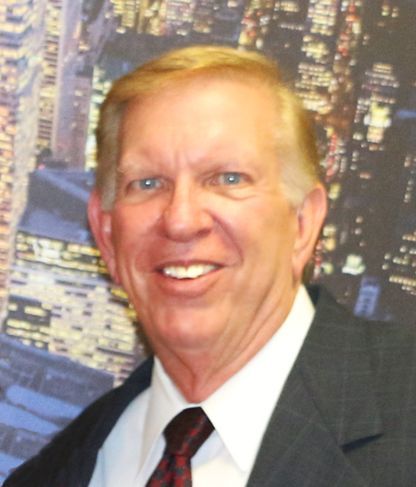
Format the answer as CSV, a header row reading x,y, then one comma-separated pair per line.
x,y
207,209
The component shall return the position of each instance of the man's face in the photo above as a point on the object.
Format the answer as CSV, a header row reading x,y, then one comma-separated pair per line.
x,y
201,236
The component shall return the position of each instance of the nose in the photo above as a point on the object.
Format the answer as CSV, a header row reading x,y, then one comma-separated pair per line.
x,y
186,216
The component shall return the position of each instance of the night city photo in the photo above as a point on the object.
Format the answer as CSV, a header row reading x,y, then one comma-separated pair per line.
x,y
62,321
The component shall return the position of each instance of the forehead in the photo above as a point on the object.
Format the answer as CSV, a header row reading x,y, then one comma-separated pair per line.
x,y
203,105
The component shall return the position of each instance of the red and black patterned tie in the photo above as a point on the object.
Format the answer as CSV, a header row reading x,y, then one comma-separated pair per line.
x,y
184,435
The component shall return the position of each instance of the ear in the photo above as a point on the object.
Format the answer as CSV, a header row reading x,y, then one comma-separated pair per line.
x,y
310,218
101,226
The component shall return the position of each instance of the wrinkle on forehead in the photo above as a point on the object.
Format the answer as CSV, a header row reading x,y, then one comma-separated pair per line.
x,y
192,104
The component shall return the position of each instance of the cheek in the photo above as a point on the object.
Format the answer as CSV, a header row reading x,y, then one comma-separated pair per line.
x,y
134,221
131,232
265,222
273,232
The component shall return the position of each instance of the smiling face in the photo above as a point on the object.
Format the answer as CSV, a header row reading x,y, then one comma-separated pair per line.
x,y
201,236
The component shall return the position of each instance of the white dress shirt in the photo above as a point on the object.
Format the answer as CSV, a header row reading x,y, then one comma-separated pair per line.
x,y
239,410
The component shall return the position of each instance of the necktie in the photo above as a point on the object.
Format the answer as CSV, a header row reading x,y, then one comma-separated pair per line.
x,y
184,435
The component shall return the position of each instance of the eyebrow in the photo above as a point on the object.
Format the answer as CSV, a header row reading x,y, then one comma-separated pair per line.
x,y
126,164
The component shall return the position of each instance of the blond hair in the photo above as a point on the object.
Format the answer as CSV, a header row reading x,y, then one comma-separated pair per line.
x,y
294,133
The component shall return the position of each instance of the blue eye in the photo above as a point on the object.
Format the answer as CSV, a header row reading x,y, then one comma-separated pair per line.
x,y
230,178
149,183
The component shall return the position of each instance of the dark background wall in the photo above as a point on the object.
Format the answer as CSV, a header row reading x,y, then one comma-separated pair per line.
x,y
66,332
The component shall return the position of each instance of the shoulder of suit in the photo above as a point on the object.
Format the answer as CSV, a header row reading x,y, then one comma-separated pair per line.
x,y
74,449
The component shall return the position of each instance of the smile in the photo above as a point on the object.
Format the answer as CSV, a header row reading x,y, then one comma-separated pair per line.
x,y
188,272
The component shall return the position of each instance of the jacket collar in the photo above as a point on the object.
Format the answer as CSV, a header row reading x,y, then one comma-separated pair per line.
x,y
327,405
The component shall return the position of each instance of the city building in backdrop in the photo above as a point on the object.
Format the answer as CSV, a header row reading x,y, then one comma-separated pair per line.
x,y
350,61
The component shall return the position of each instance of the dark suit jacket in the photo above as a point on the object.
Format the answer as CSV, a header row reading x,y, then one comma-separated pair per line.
x,y
346,416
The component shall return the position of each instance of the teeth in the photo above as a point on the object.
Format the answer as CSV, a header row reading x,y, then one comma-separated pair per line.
x,y
190,272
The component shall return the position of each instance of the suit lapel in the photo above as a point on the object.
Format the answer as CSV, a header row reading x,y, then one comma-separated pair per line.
x,y
327,405
97,421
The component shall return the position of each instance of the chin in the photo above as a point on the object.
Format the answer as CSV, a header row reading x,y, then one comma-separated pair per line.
x,y
185,333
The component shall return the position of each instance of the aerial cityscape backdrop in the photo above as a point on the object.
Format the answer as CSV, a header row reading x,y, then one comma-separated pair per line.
x,y
352,62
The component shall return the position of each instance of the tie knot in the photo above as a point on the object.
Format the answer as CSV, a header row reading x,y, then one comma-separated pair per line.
x,y
187,431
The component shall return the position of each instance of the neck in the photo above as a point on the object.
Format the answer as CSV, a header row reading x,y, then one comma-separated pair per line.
x,y
199,373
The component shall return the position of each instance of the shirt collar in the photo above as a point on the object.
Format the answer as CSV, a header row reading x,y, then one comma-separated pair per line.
x,y
244,401
165,402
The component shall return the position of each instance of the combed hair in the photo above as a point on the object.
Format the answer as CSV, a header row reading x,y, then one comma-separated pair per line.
x,y
294,132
